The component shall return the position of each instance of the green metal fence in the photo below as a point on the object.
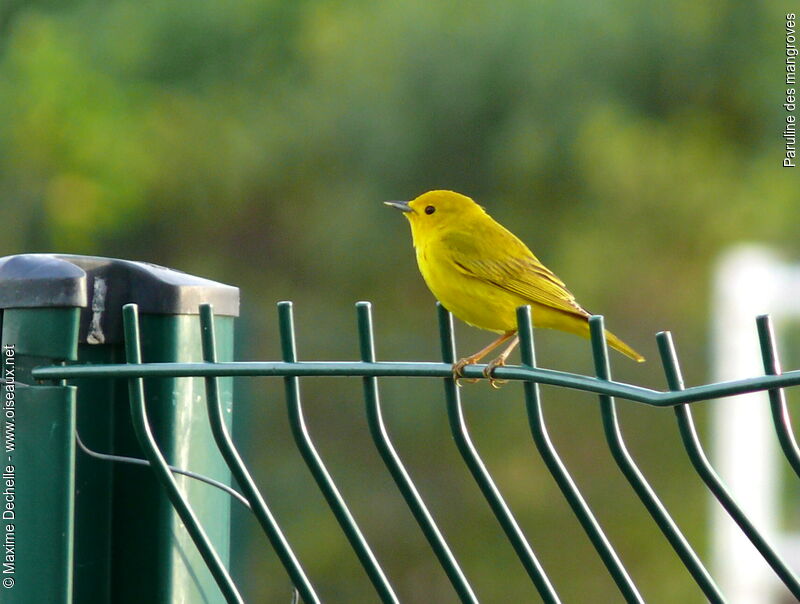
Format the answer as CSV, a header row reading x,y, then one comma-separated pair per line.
x,y
189,350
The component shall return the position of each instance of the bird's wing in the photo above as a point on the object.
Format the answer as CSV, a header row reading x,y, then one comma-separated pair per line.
x,y
507,263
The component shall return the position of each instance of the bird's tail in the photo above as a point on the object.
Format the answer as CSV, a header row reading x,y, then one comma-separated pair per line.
x,y
622,347
578,323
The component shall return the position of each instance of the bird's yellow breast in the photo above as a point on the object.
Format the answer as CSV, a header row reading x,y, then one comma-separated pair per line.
x,y
472,300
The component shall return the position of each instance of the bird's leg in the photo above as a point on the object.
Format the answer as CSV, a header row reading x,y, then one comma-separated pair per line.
x,y
458,368
499,362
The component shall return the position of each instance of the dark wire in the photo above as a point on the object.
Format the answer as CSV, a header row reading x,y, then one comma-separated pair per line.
x,y
143,462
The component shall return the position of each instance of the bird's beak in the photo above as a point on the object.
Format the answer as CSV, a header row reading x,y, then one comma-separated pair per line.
x,y
400,205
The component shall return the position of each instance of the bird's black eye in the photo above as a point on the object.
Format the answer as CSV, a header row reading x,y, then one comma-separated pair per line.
x,y
430,210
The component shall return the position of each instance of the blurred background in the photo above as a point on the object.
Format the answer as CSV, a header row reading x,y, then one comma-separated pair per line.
x,y
252,142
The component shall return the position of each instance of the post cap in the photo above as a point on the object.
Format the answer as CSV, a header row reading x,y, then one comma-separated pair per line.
x,y
101,286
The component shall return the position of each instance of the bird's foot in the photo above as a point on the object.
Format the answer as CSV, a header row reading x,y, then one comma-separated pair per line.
x,y
458,370
487,372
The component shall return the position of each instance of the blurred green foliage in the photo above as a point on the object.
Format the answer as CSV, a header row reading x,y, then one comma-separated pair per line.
x,y
252,142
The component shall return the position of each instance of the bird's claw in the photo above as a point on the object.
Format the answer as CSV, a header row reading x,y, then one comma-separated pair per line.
x,y
458,371
487,373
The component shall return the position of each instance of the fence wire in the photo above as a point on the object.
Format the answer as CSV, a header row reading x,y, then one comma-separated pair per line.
x,y
290,369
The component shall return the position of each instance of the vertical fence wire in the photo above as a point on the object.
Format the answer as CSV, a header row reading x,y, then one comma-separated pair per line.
x,y
634,475
559,471
691,441
317,467
148,443
458,427
395,465
469,453
229,452
777,398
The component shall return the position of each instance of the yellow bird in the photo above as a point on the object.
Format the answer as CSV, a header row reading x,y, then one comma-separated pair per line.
x,y
481,272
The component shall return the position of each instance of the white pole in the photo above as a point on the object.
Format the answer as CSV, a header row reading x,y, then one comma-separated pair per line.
x,y
750,280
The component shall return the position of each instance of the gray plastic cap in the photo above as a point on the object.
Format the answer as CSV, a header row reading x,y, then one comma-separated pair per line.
x,y
102,286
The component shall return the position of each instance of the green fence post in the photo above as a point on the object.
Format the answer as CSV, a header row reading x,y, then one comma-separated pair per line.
x,y
40,312
129,545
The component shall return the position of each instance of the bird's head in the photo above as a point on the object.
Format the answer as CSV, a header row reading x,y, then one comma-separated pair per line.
x,y
436,211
